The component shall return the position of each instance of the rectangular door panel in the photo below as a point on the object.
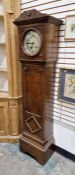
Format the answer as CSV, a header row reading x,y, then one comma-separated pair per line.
x,y
33,90
33,100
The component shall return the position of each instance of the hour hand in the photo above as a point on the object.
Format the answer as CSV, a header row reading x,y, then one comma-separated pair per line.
x,y
30,43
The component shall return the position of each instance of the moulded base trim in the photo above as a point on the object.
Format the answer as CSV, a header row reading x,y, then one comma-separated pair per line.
x,y
41,154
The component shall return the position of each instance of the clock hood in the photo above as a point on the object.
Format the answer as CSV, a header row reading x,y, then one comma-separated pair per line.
x,y
34,16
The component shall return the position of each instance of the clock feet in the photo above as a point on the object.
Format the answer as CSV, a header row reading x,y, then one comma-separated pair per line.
x,y
41,154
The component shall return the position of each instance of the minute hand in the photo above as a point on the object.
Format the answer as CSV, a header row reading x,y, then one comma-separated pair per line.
x,y
30,43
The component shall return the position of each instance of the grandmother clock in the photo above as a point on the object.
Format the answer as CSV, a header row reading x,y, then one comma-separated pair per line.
x,y
38,35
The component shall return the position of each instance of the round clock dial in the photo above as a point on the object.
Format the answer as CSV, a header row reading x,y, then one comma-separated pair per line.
x,y
32,42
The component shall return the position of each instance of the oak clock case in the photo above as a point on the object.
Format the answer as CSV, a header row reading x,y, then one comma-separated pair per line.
x,y
38,33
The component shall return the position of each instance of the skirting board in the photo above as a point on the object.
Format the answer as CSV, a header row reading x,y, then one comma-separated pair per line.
x,y
64,153
9,138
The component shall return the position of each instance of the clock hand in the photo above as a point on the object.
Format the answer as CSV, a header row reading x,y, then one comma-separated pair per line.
x,y
30,43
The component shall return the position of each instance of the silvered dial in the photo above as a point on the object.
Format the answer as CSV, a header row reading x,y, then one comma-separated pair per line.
x,y
32,42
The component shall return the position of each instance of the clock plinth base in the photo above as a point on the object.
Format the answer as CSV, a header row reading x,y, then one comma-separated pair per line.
x,y
41,154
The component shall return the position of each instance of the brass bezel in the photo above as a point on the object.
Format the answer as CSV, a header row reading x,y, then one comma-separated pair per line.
x,y
37,31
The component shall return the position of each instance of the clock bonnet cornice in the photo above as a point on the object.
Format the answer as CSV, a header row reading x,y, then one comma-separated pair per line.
x,y
34,16
36,139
